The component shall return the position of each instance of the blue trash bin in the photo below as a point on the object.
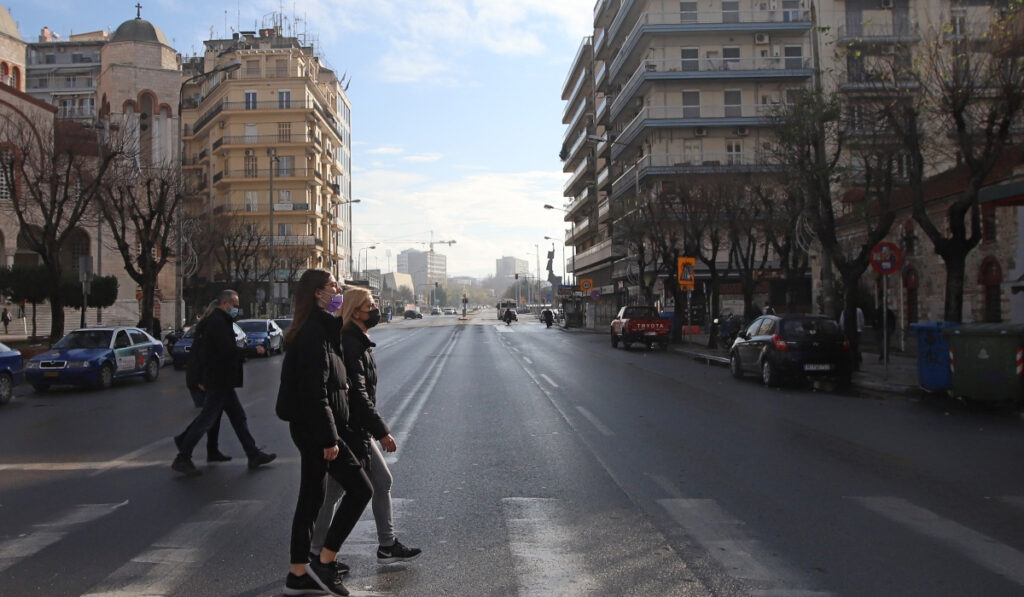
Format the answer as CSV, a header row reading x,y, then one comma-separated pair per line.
x,y
932,355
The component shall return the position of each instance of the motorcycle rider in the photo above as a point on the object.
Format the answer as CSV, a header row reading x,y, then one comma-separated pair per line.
x,y
508,316
548,317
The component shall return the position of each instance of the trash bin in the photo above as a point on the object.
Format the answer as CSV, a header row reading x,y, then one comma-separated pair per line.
x,y
932,355
987,361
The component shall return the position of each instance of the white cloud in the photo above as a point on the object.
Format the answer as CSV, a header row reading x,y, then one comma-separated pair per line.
x,y
386,150
423,157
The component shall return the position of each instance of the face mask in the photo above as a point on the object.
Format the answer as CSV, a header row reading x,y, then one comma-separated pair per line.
x,y
233,313
374,318
334,304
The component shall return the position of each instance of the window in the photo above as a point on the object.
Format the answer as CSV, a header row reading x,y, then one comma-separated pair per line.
x,y
284,98
138,337
281,67
122,341
70,81
692,151
250,166
730,12
690,59
252,201
734,152
250,99
691,104
958,22
988,223
284,132
730,58
791,10
76,58
284,229
251,133
284,196
688,12
6,174
252,68
733,103
284,165
51,59
794,57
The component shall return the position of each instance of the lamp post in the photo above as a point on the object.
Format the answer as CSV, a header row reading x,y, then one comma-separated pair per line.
x,y
272,155
229,66
365,257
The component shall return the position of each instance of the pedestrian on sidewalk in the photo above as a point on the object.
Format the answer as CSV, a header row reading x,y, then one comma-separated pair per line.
x,y
5,317
313,400
858,331
359,313
221,366
193,371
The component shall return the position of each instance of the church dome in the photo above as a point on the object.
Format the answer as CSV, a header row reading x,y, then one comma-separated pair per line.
x,y
7,26
138,29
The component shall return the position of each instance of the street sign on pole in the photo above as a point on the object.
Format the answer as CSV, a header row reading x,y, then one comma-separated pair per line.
x,y
684,272
586,284
886,258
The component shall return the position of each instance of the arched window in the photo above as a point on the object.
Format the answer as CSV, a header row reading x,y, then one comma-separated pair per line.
x,y
990,277
77,245
911,282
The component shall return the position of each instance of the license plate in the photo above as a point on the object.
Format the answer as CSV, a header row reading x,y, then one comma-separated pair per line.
x,y
50,374
817,367
650,333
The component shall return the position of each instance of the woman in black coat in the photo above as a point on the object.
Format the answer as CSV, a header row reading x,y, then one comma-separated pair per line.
x,y
313,399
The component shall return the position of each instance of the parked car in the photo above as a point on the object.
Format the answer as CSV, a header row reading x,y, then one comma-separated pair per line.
x,y
784,347
640,324
435,311
12,372
410,314
284,323
449,311
96,357
179,354
262,332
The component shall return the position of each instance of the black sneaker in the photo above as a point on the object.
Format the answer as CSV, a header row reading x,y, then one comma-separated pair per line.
x,y
397,553
327,576
260,459
343,568
177,441
301,585
184,466
217,456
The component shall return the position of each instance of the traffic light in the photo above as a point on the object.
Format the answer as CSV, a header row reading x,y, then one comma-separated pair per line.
x,y
437,284
517,276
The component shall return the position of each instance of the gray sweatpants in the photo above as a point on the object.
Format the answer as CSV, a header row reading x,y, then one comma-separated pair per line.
x,y
381,479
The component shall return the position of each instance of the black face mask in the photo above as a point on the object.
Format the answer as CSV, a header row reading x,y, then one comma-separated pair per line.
x,y
373,319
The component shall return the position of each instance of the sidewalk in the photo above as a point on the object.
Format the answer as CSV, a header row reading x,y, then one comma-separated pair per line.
x,y
900,378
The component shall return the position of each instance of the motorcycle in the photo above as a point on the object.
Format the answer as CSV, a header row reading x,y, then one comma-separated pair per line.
x,y
509,316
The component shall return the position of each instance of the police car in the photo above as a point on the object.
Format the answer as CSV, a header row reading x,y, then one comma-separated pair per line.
x,y
96,357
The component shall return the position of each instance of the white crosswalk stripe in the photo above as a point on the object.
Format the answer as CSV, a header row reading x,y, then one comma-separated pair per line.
x,y
46,534
742,556
982,549
542,546
161,569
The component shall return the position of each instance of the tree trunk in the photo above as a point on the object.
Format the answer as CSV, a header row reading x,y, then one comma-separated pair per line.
x,y
955,268
56,314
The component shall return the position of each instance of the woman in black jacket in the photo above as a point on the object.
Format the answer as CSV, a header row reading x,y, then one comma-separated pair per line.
x,y
313,400
365,425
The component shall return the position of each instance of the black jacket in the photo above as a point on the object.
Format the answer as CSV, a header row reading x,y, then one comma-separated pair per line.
x,y
312,393
365,422
221,358
194,361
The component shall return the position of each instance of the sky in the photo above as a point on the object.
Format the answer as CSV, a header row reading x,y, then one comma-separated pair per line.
x,y
456,109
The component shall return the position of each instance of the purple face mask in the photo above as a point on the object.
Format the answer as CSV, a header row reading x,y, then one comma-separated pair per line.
x,y
335,303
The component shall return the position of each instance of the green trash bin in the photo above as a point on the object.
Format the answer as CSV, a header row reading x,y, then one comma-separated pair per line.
x,y
986,361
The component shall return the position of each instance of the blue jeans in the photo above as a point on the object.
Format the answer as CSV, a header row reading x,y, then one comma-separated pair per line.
x,y
219,400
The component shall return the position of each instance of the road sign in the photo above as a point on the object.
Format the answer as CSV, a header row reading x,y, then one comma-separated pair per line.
x,y
684,272
595,294
886,258
586,284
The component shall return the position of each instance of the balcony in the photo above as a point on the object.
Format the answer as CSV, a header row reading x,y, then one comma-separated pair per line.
x,y
904,31
584,56
261,173
690,164
605,250
575,153
577,202
704,69
722,115
73,112
295,241
576,231
574,121
674,23
578,177
602,110
603,210
602,177
275,139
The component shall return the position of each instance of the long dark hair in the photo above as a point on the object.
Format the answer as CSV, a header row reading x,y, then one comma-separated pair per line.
x,y
311,281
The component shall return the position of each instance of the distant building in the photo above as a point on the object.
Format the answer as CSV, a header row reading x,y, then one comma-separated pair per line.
x,y
463,281
505,270
425,267
65,72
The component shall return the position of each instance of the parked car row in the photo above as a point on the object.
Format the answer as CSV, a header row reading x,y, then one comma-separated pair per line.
x,y
95,357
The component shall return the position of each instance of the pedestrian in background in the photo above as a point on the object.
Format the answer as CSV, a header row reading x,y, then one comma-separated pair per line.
x,y
6,319
193,371
359,313
313,400
221,373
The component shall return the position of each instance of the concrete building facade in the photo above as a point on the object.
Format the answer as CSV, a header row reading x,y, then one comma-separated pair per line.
x,y
65,72
426,268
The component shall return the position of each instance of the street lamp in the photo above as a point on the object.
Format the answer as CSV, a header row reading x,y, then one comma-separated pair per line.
x,y
365,257
229,66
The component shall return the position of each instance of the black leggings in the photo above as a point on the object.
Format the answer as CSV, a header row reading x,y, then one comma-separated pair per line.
x,y
347,471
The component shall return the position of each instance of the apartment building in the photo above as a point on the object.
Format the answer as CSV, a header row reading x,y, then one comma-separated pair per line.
x,y
505,270
64,72
425,267
266,148
665,91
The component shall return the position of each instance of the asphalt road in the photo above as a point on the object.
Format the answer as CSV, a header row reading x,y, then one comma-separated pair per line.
x,y
531,461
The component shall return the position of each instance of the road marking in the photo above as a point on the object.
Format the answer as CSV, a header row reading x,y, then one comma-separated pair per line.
x,y
725,539
549,380
547,558
528,361
127,460
160,569
46,534
595,421
984,550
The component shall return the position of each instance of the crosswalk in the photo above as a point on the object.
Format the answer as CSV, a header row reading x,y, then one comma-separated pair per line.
x,y
546,558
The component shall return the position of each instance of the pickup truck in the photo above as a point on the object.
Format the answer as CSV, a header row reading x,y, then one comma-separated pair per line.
x,y
640,324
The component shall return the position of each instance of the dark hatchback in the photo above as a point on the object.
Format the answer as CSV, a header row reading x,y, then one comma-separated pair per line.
x,y
791,347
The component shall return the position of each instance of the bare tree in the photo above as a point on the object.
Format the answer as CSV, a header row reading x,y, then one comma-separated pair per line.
x,y
54,170
140,207
237,248
749,247
632,226
782,220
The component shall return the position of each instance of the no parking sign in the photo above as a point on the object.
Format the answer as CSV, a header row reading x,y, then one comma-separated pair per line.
x,y
886,258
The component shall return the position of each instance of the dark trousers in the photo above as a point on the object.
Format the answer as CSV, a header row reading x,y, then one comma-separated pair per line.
x,y
213,434
218,400
347,471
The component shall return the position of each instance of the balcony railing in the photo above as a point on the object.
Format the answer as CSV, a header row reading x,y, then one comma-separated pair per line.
x,y
698,162
602,251
72,112
877,31
698,115
266,139
577,174
264,172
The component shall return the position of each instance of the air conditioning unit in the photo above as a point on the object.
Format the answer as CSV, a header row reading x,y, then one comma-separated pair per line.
x,y
887,3
742,131
761,39
249,152
700,131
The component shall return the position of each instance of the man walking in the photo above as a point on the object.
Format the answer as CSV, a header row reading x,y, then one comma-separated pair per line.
x,y
221,373
6,319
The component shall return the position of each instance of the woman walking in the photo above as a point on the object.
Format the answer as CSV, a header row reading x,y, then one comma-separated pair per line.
x,y
359,313
313,400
